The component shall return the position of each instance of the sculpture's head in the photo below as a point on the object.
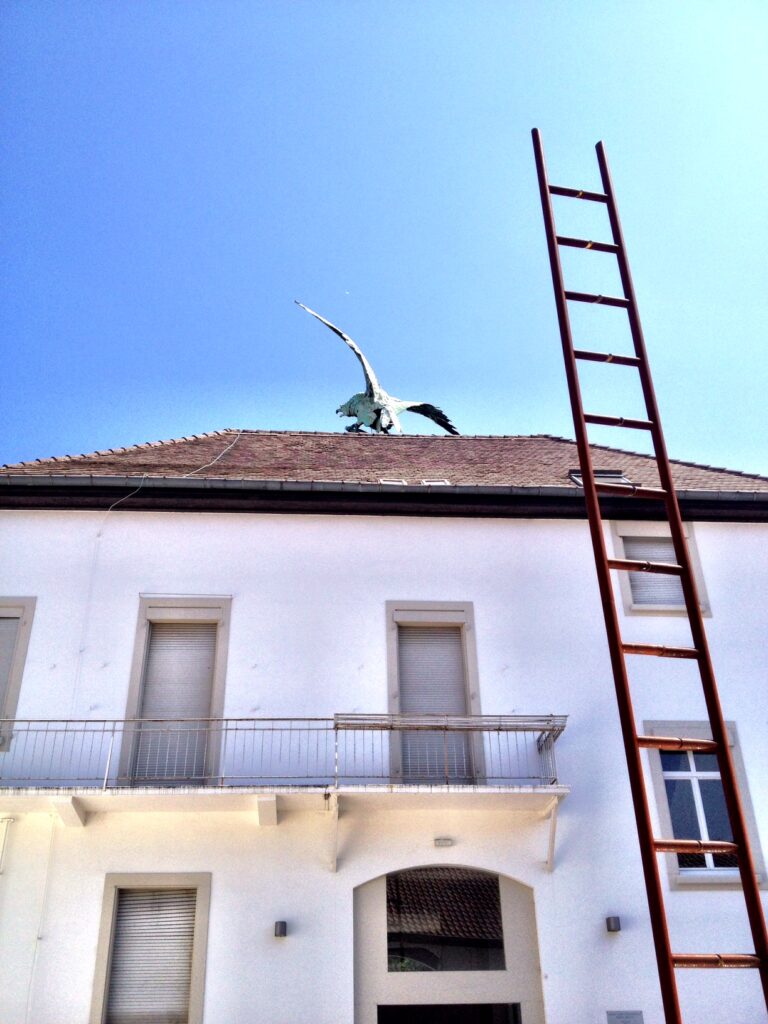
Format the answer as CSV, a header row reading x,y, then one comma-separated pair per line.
x,y
345,410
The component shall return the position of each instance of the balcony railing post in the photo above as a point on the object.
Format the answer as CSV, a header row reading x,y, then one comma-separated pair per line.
x,y
109,758
335,756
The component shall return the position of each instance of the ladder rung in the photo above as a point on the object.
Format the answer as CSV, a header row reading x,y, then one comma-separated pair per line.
x,y
660,650
631,490
606,357
715,960
578,193
677,743
693,846
583,243
605,300
668,568
618,421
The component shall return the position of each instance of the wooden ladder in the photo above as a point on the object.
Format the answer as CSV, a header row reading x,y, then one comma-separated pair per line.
x,y
650,845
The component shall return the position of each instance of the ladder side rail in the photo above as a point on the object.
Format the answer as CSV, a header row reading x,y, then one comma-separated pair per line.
x,y
736,817
661,940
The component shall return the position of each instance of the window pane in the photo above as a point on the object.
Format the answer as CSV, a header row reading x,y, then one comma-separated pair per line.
x,y
444,919
716,814
674,761
706,762
685,824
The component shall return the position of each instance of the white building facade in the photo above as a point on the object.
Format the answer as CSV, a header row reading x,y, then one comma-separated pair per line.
x,y
376,716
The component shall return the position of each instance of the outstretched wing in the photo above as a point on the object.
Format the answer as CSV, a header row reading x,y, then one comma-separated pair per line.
x,y
433,413
371,382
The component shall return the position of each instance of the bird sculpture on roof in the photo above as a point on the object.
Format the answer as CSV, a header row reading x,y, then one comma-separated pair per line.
x,y
374,408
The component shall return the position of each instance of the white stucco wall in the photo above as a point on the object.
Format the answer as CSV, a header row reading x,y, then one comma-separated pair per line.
x,y
308,638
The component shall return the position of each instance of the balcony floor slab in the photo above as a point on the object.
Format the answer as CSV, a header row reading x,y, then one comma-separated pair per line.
x,y
244,799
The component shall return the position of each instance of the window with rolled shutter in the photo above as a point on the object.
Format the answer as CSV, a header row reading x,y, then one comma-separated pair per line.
x,y
174,741
432,678
650,588
151,962
9,632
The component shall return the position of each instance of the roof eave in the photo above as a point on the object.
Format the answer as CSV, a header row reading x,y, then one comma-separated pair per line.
x,y
209,494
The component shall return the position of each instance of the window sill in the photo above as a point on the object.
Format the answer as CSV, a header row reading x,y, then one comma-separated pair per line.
x,y
679,611
711,878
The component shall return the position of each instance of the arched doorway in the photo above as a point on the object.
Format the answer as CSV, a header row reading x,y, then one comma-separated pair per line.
x,y
448,944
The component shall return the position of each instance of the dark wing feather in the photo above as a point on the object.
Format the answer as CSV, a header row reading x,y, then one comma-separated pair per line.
x,y
433,413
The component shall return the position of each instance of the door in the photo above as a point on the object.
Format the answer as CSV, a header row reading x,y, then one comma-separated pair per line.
x,y
451,1013
432,680
174,741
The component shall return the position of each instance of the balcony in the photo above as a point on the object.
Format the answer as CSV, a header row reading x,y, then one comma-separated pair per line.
x,y
226,764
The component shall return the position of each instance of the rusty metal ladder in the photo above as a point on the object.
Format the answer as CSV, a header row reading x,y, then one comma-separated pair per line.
x,y
650,845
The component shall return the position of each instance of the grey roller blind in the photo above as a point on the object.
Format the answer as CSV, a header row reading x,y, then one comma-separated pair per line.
x,y
9,631
432,681
432,670
151,966
653,588
178,678
178,684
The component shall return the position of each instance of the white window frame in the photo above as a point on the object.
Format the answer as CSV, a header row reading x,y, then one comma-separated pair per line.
x,y
201,881
23,609
707,877
161,608
628,528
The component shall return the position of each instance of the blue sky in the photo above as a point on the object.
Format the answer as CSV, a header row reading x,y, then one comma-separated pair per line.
x,y
175,174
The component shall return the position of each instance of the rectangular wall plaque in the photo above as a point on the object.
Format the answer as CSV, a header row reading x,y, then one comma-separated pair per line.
x,y
625,1017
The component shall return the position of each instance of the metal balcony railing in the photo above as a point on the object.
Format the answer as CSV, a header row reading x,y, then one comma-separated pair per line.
x,y
347,750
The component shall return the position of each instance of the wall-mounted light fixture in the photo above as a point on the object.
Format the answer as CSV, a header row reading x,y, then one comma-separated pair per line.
x,y
443,841
613,924
281,929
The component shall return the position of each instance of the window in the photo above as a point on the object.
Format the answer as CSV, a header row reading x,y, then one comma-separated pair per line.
x,y
603,476
150,963
444,919
691,804
696,805
177,687
432,671
647,592
16,615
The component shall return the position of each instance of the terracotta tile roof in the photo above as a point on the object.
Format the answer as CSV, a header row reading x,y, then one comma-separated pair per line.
x,y
539,460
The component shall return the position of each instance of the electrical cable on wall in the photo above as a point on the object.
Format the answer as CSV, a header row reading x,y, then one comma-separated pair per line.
x,y
94,562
